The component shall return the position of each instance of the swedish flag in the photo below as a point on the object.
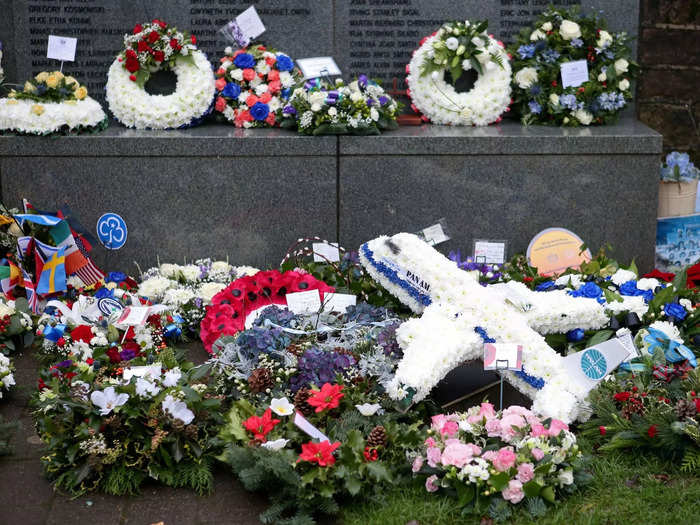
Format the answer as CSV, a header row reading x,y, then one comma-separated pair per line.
x,y
53,274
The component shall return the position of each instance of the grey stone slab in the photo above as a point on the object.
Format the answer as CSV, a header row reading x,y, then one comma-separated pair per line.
x,y
375,37
629,136
211,140
249,209
603,198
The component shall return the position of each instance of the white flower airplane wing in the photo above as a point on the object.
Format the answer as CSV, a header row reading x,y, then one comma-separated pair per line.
x,y
459,315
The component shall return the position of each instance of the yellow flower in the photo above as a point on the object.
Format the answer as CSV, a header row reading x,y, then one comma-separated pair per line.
x,y
37,109
41,77
29,87
71,80
12,102
58,75
52,81
81,93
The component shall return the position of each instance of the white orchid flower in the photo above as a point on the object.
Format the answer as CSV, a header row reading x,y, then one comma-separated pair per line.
x,y
282,406
108,399
177,409
368,409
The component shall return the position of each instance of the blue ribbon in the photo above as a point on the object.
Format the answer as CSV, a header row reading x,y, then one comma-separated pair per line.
x,y
54,333
673,350
172,331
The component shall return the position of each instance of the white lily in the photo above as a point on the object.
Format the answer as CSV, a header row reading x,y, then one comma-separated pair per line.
x,y
177,409
368,409
277,444
145,388
108,399
282,406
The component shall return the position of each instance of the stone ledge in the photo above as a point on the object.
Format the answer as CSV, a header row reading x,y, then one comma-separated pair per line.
x,y
629,136
210,140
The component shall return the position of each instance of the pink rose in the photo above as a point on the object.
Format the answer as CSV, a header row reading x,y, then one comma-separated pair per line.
x,y
557,426
275,86
430,442
538,430
450,428
526,471
273,75
505,459
220,84
475,419
490,455
510,425
487,410
537,454
493,427
457,454
270,119
433,456
513,492
436,422
475,449
220,104
417,464
452,441
516,410
430,485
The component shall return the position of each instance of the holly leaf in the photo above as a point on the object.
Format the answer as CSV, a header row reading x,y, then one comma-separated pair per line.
x,y
548,494
353,485
379,471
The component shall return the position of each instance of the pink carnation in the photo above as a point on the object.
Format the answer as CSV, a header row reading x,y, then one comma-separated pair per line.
x,y
487,410
430,485
493,427
450,428
490,455
220,104
457,454
538,430
220,84
436,422
474,419
537,454
505,459
430,442
526,471
476,450
513,492
510,425
434,455
417,464
557,426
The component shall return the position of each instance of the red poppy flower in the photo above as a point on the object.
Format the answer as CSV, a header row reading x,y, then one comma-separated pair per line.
x,y
327,398
663,276
132,65
652,431
153,37
260,426
321,453
82,333
622,396
602,430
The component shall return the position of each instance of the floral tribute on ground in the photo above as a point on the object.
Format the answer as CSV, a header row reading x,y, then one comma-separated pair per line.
x,y
253,85
442,59
320,107
51,103
560,37
153,47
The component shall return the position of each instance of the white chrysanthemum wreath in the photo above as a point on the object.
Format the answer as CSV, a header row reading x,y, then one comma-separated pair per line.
x,y
455,48
153,47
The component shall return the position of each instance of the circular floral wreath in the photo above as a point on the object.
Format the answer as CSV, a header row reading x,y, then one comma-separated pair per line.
x,y
51,103
455,48
235,307
154,47
253,84
559,37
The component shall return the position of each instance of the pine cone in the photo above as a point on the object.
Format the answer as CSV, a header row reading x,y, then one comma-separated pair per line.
x,y
685,409
296,349
260,380
377,437
300,402
191,431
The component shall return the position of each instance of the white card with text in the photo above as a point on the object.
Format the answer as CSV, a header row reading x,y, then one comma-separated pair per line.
x,y
308,302
307,427
434,234
134,315
573,74
338,302
250,24
325,252
62,48
318,67
490,252
503,356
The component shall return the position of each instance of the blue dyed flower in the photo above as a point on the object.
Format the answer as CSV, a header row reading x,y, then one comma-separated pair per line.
x,y
103,293
289,110
569,101
535,106
590,290
259,111
547,285
535,90
611,101
244,61
526,51
286,92
115,277
577,42
675,311
630,288
550,56
576,335
383,100
231,90
284,63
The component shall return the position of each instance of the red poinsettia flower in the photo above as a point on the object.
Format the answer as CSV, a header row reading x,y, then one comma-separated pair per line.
x,y
321,453
260,426
693,276
82,333
662,276
652,431
327,398
622,396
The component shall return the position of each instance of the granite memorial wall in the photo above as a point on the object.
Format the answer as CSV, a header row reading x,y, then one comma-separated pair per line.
x,y
375,37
